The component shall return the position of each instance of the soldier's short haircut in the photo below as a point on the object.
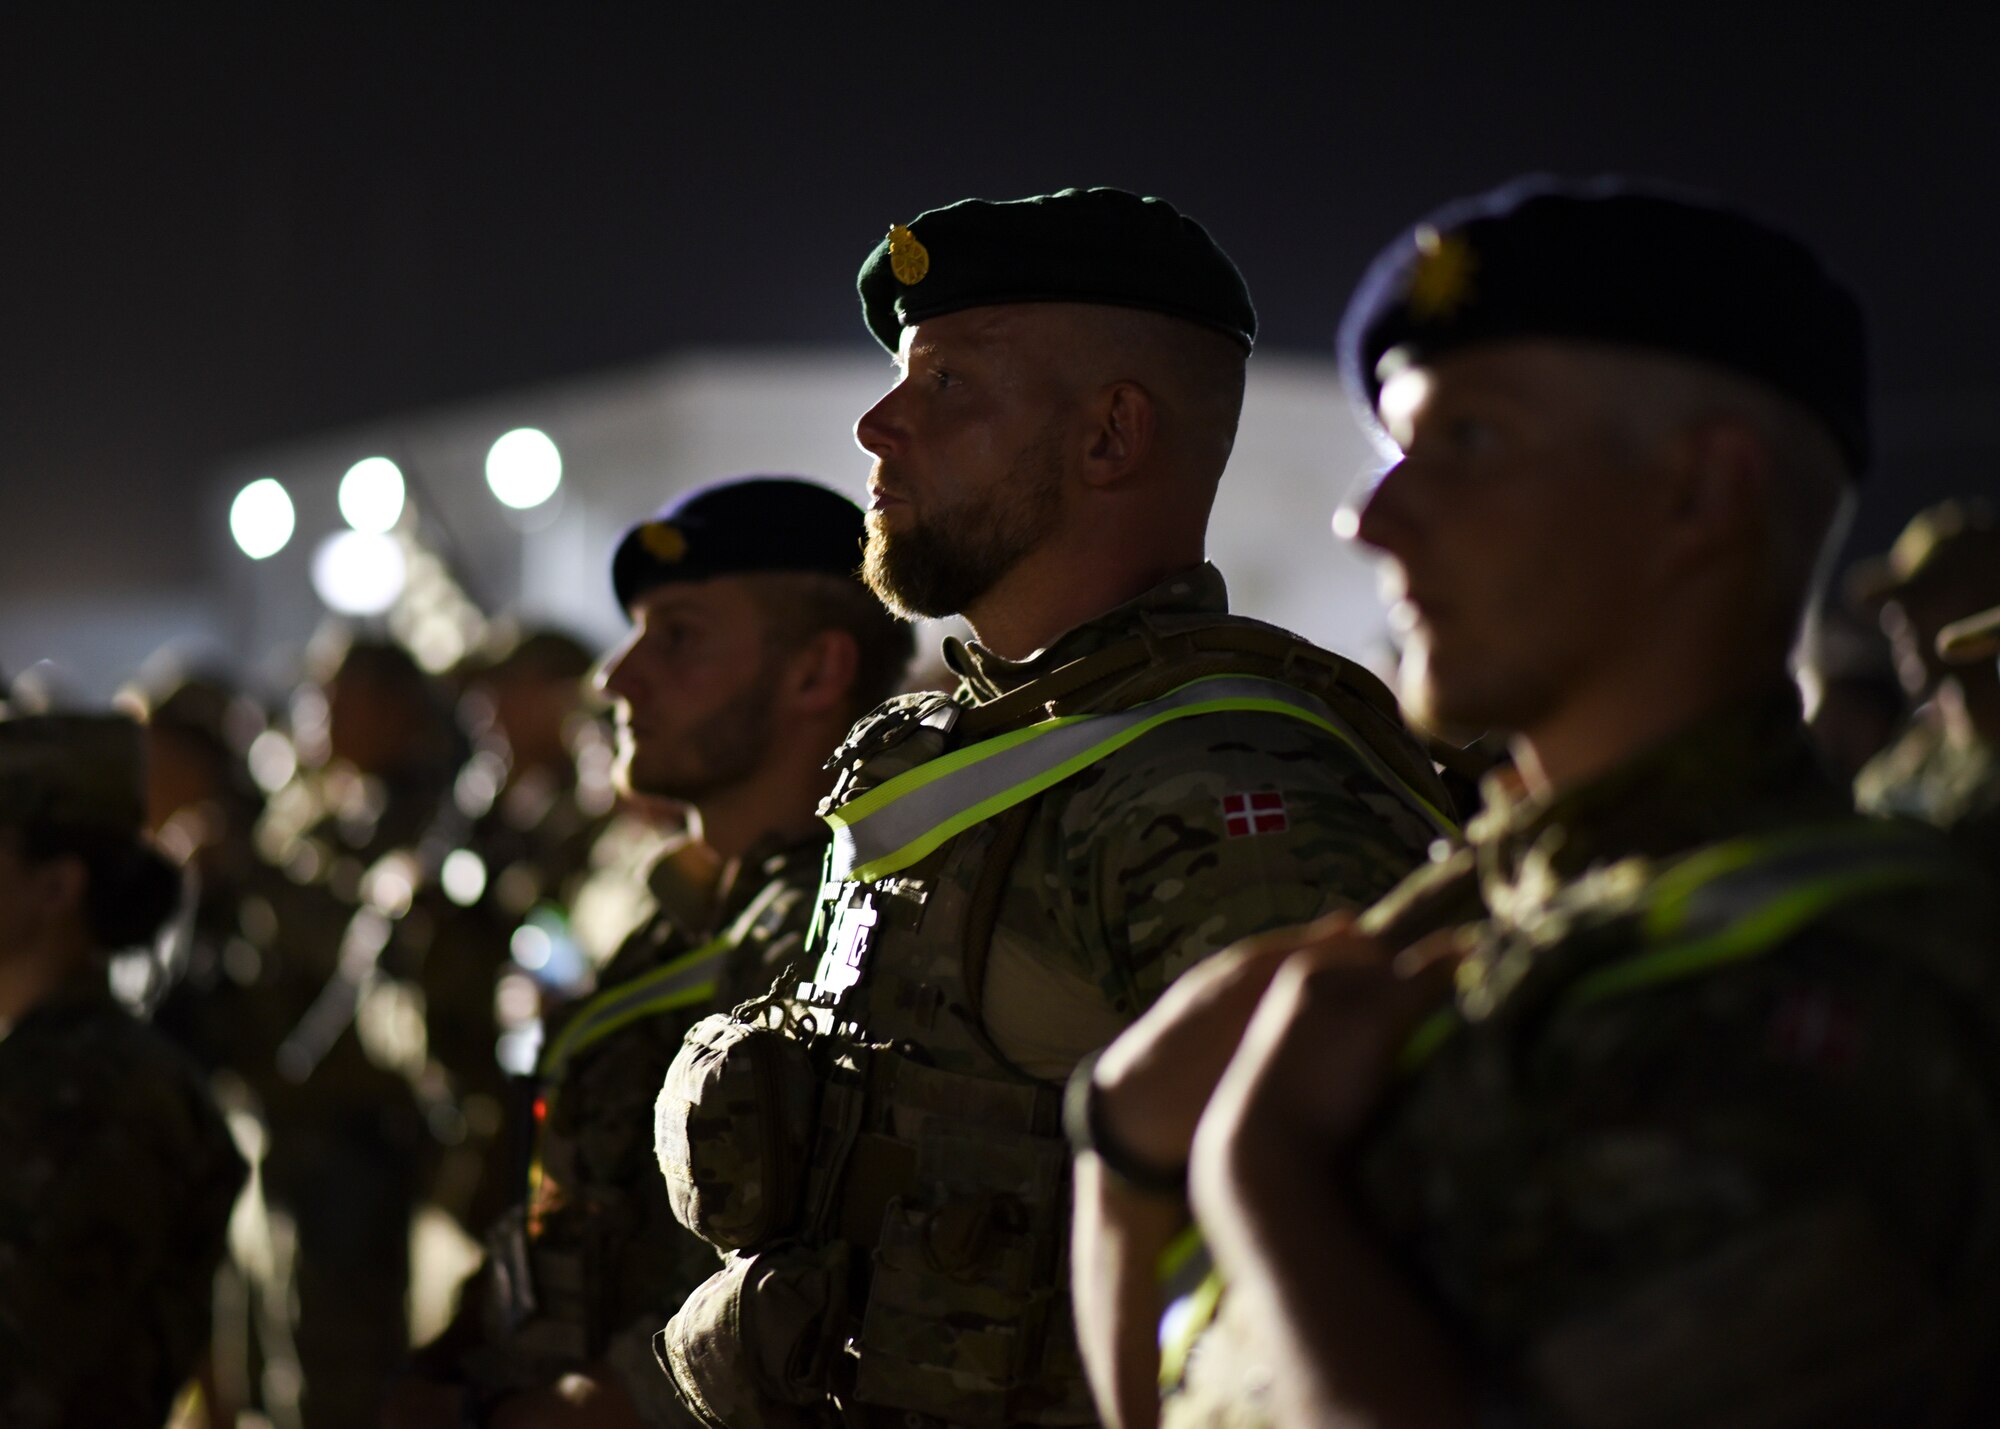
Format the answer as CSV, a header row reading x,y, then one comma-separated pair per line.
x,y
798,605
1810,499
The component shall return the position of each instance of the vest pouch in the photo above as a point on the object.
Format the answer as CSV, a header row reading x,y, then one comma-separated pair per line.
x,y
960,1295
732,1128
749,1349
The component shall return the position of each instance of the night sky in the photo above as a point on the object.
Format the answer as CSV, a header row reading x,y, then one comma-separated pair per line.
x,y
223,233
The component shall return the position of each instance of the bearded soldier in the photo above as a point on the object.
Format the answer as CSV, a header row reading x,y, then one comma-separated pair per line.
x,y
1126,779
754,644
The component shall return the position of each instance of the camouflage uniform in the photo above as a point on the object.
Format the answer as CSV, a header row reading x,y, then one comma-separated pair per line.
x,y
115,1190
594,1263
1955,787
938,1180
1712,1134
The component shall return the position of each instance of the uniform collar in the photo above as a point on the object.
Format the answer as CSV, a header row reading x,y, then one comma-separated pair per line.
x,y
983,675
1742,768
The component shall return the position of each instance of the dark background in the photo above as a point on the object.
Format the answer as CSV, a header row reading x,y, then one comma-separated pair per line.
x,y
238,228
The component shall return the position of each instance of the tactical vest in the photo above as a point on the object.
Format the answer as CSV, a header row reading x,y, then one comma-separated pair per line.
x,y
940,1163
1678,919
553,1292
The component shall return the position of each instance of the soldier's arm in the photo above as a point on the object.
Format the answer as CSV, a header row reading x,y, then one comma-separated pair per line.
x,y
1348,1339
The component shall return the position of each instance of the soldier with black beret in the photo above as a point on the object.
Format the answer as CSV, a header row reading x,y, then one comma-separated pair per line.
x,y
1127,778
1669,1098
754,644
118,1172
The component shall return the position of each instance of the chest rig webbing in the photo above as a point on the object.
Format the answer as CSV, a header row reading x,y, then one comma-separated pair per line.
x,y
1635,925
935,1155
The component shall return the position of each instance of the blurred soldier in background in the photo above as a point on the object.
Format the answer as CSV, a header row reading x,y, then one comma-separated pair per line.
x,y
1671,1100
350,1143
514,840
118,1174
1127,779
754,645
1945,769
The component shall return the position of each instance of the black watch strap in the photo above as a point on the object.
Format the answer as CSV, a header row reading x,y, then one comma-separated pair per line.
x,y
1083,1123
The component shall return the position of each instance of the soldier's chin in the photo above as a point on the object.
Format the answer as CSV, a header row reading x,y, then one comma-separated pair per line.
x,y
1433,702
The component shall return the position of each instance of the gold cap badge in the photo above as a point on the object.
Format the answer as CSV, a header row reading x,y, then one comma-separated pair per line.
x,y
1443,277
909,260
662,541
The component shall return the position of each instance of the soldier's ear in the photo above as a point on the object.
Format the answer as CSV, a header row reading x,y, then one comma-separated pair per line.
x,y
1720,473
1124,424
820,673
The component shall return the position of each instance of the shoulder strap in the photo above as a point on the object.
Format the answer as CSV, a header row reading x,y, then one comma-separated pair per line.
x,y
898,822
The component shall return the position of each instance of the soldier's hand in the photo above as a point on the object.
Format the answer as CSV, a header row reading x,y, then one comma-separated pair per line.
x,y
1316,1057
1154,1081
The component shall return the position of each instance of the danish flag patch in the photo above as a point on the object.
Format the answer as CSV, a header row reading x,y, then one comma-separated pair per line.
x,y
1246,815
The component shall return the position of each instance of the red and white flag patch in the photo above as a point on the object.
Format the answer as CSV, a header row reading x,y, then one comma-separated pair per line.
x,y
1245,815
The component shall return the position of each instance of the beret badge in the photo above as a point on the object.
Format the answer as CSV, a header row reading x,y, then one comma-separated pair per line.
x,y
1442,280
663,541
909,260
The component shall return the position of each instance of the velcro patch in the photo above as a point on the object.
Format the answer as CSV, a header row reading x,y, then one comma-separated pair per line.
x,y
1248,814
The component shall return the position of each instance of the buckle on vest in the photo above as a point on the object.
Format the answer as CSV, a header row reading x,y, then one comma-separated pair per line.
x,y
850,933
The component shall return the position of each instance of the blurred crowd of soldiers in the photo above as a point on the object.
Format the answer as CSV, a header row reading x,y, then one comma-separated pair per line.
x,y
1149,1025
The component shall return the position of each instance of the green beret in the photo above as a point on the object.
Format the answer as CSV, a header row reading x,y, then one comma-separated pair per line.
x,y
1077,246
742,526
77,771
1624,262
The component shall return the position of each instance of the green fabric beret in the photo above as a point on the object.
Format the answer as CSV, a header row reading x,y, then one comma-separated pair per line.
x,y
73,770
1077,246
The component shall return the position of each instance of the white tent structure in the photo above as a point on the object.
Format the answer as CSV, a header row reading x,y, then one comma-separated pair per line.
x,y
630,440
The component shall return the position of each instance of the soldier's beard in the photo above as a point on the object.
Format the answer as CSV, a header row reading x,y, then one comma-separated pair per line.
x,y
723,751
945,561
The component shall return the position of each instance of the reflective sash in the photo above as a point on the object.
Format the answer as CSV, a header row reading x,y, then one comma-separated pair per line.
x,y
901,820
688,979
1724,904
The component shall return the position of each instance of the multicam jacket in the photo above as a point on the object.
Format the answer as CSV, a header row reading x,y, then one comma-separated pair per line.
x,y
116,1182
954,994
593,1263
1712,1134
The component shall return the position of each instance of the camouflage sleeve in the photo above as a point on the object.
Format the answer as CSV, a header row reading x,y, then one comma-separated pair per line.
x,y
113,1203
1209,831
1758,1198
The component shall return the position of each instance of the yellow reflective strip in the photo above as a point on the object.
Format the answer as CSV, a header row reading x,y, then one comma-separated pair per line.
x,y
1183,1324
986,808
1432,1033
1755,933
882,795
666,1002
581,1031
1678,886
1183,1248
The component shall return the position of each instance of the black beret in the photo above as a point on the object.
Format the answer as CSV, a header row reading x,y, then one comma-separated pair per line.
x,y
1076,246
735,527
1618,261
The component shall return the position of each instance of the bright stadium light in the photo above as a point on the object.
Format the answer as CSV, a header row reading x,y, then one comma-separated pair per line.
x,y
524,468
371,495
261,518
358,572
